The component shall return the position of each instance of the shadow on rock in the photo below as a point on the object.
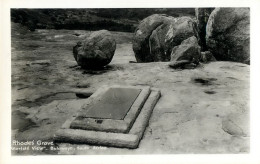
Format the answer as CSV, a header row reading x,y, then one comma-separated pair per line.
x,y
99,71
203,81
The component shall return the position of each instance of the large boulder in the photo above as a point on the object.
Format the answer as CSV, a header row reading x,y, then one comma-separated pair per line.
x,y
202,16
157,34
188,52
170,34
189,49
142,34
228,35
95,51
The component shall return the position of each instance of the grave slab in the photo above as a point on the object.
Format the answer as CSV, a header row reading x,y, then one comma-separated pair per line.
x,y
137,96
129,139
114,104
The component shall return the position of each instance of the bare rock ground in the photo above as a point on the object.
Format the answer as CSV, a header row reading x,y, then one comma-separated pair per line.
x,y
203,110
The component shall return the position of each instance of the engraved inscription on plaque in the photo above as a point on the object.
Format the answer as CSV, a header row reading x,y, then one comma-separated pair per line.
x,y
113,104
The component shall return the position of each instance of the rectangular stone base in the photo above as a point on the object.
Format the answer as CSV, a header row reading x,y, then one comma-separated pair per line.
x,y
126,140
85,122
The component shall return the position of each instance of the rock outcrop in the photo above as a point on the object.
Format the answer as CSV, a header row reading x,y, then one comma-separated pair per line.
x,y
95,51
142,34
228,35
186,53
157,34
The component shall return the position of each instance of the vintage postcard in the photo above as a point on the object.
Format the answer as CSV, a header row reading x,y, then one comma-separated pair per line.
x,y
171,81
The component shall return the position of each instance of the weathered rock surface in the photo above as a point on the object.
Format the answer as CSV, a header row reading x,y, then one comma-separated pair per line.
x,y
39,62
202,16
96,51
141,37
228,35
206,57
158,34
187,118
169,35
187,51
236,124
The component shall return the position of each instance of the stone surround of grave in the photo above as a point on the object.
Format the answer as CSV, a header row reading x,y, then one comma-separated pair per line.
x,y
113,116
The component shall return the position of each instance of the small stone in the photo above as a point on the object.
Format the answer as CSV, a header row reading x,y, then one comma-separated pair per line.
x,y
39,62
207,57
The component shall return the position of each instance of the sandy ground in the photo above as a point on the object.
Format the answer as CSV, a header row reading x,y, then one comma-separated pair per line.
x,y
204,110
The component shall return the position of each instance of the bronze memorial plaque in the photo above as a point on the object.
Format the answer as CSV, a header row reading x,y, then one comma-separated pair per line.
x,y
114,104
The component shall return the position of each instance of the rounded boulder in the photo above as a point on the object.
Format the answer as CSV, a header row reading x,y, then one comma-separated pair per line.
x,y
169,35
228,34
96,51
189,50
142,34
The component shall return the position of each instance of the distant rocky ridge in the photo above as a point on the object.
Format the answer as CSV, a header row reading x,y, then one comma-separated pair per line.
x,y
115,19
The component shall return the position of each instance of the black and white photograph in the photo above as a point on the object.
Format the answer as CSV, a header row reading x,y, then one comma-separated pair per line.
x,y
130,81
